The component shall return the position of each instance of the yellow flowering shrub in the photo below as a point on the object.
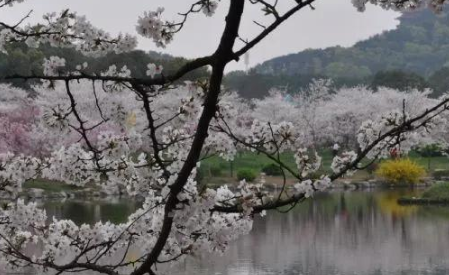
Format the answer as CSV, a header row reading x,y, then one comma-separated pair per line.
x,y
400,171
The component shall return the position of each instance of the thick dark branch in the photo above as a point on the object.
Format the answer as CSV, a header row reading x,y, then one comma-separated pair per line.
x,y
159,81
221,58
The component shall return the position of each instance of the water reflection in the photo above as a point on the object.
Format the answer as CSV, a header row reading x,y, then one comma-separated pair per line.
x,y
81,211
338,233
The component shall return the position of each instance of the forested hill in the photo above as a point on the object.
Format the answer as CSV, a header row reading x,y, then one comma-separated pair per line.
x,y
419,44
27,61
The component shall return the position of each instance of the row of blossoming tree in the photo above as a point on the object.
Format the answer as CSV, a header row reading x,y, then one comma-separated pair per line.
x,y
148,136
321,112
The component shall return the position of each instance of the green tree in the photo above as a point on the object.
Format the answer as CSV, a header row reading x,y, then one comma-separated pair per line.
x,y
399,80
439,82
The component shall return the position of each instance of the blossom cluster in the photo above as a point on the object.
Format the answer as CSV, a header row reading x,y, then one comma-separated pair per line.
x,y
308,187
399,5
116,86
67,29
404,141
151,25
11,2
52,66
15,170
154,70
305,164
209,7
342,161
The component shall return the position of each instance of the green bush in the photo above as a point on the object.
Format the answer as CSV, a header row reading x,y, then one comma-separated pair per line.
x,y
247,174
437,191
215,171
272,170
430,150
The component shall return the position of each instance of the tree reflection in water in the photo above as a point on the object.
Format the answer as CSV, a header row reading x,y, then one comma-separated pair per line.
x,y
338,233
363,233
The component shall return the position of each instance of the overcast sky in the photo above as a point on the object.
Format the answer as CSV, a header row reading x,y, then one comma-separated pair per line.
x,y
333,22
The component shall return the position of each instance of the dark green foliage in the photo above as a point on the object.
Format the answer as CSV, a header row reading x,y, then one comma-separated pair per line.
x,y
21,60
49,186
399,80
272,170
431,150
439,82
215,171
257,85
25,61
246,174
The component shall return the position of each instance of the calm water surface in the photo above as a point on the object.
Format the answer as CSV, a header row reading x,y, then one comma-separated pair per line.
x,y
338,233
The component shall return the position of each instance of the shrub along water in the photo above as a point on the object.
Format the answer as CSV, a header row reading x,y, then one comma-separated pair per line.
x,y
272,170
400,171
439,191
246,174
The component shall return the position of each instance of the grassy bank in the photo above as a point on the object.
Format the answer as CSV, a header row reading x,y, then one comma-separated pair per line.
x,y
217,170
436,194
438,191
49,185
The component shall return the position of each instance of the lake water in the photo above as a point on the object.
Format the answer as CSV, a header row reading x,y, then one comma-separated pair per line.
x,y
337,233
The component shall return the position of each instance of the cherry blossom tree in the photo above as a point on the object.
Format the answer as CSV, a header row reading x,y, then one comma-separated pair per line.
x,y
124,140
327,115
348,108
19,131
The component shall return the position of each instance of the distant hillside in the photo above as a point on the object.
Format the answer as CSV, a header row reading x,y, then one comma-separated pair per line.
x,y
420,44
